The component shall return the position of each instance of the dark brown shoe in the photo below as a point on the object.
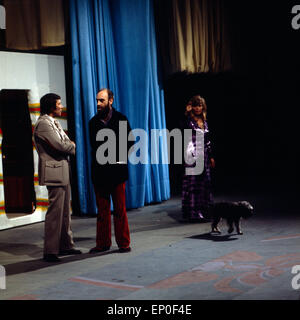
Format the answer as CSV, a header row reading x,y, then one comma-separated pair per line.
x,y
51,258
97,249
123,250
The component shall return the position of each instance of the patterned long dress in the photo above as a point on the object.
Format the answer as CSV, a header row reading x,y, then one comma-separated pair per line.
x,y
196,189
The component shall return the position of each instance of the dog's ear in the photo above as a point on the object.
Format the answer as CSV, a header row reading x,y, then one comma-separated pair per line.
x,y
247,204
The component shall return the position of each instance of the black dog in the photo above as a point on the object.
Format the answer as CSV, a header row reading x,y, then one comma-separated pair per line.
x,y
232,212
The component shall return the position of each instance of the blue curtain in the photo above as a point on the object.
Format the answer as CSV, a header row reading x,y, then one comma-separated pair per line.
x,y
114,45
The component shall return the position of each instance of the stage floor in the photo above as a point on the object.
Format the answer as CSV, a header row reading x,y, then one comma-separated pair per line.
x,y
170,260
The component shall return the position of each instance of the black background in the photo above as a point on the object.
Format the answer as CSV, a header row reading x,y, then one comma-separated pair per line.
x,y
252,110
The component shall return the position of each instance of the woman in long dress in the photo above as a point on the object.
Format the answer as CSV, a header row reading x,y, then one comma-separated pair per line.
x,y
196,188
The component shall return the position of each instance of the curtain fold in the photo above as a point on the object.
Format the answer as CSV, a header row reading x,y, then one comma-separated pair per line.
x,y
52,23
198,32
114,45
34,24
89,20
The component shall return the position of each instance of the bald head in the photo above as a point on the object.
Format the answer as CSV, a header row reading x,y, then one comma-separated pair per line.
x,y
109,93
105,99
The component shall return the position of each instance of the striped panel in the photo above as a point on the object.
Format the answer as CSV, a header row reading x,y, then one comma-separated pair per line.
x,y
2,207
41,204
34,108
35,179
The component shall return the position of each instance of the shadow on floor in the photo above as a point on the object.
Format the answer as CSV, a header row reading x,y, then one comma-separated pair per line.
x,y
37,264
21,249
212,237
79,239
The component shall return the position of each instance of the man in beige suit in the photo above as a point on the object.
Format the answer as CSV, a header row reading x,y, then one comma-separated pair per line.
x,y
54,148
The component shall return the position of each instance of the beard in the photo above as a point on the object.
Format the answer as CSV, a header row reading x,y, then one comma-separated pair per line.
x,y
103,112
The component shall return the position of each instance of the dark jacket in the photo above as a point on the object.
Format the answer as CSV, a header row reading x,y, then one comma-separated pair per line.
x,y
109,174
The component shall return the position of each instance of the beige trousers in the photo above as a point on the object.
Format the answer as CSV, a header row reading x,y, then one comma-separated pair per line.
x,y
58,233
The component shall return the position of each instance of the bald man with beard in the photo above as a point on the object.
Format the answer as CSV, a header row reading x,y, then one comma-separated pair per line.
x,y
109,179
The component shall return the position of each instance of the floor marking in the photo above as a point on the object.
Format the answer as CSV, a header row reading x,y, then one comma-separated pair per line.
x,y
293,236
106,283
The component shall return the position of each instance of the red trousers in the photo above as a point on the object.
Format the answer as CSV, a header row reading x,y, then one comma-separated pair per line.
x,y
103,235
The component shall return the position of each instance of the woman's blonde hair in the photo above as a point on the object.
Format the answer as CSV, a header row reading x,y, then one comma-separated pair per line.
x,y
196,101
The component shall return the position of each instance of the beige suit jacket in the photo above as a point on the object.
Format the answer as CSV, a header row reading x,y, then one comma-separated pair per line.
x,y
53,149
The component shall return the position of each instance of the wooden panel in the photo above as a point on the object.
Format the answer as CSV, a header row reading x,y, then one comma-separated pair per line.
x,y
17,152
18,194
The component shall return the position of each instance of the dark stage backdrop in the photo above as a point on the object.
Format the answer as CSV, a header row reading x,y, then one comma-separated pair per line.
x,y
252,109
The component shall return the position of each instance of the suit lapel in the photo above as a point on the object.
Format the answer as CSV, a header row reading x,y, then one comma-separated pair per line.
x,y
46,117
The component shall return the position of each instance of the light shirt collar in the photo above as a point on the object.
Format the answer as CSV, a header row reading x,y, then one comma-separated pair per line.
x,y
50,118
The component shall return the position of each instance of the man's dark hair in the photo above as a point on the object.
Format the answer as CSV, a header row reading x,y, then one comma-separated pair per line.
x,y
48,103
109,93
